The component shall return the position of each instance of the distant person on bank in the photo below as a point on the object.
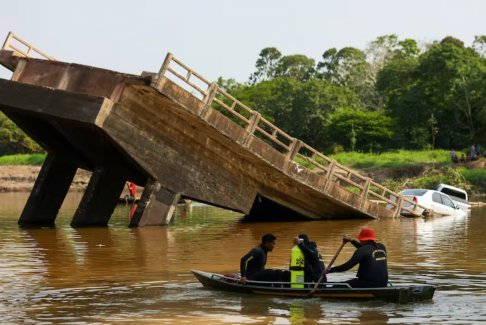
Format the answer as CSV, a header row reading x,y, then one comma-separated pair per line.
x,y
454,158
473,153
372,259
252,265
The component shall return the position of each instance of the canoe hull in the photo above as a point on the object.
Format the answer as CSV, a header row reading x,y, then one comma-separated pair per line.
x,y
398,294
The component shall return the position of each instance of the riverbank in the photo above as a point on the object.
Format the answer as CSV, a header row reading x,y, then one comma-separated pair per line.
x,y
21,178
396,170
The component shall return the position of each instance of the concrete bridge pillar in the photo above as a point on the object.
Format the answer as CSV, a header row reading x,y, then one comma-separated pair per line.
x,y
50,189
156,206
99,200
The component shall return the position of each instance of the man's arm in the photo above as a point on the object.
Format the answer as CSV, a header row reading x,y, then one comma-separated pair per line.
x,y
348,265
356,243
308,252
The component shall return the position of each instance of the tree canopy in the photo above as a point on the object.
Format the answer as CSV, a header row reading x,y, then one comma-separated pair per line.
x,y
394,94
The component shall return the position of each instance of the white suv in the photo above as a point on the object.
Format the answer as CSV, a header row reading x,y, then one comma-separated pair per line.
x,y
458,196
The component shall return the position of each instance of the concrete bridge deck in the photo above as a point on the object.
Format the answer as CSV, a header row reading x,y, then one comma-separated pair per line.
x,y
176,134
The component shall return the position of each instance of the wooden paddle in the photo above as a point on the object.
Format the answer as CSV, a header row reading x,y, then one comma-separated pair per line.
x,y
324,272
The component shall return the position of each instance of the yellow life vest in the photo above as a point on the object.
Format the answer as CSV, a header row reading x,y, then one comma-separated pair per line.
x,y
297,267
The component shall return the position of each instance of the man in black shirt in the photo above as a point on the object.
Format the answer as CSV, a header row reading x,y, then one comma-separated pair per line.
x,y
371,257
252,265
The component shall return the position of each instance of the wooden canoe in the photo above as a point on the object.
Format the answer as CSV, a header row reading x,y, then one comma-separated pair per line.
x,y
398,294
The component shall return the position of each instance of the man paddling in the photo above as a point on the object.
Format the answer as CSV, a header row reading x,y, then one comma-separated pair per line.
x,y
252,265
371,257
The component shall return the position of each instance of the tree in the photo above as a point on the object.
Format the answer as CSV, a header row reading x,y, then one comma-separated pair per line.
x,y
265,65
407,48
271,64
479,45
353,138
433,129
346,67
228,84
396,78
366,131
298,67
379,52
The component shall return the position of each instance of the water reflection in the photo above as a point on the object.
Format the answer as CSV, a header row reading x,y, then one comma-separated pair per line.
x,y
312,311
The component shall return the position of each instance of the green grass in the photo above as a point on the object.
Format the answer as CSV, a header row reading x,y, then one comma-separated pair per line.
x,y
401,158
476,177
25,159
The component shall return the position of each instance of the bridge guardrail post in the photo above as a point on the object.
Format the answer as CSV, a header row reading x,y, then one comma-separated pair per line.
x,y
7,41
208,99
398,207
330,171
162,71
294,149
252,125
364,193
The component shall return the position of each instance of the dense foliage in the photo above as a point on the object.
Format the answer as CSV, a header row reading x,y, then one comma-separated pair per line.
x,y
393,95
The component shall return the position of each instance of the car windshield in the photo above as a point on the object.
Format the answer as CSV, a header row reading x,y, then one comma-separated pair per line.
x,y
413,192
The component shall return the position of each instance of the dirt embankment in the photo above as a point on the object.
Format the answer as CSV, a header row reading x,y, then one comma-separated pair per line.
x,y
22,178
381,174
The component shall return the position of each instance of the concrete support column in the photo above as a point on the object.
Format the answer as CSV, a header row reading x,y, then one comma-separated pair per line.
x,y
50,189
99,200
156,206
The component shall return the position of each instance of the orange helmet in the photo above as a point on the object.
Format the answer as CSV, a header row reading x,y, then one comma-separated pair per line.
x,y
366,234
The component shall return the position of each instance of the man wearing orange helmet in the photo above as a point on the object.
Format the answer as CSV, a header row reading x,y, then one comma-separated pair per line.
x,y
371,257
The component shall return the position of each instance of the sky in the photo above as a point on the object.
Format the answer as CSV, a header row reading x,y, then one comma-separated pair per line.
x,y
224,37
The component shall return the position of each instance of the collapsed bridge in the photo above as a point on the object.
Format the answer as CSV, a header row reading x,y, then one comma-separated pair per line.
x,y
177,135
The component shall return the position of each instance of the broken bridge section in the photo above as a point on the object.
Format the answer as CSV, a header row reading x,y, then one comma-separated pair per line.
x,y
177,135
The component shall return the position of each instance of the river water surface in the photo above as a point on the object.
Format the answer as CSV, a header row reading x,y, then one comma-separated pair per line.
x,y
121,275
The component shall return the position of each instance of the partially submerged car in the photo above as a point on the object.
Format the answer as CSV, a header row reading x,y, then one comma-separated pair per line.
x,y
434,202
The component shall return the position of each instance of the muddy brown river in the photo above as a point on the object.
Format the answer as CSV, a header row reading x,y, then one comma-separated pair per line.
x,y
121,275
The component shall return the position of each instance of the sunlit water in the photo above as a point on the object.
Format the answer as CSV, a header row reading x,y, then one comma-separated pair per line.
x,y
123,275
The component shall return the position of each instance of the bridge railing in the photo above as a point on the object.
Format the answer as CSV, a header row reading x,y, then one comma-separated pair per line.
x,y
22,48
295,150
219,99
